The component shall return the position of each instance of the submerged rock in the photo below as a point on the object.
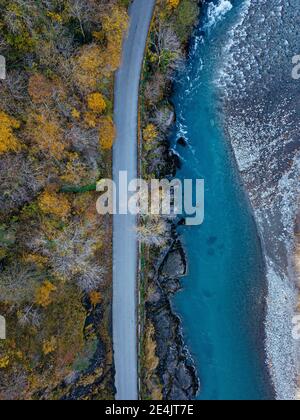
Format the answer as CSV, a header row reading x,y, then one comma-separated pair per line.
x,y
182,142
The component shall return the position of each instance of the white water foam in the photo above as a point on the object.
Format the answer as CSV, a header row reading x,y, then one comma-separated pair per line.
x,y
216,12
281,350
262,108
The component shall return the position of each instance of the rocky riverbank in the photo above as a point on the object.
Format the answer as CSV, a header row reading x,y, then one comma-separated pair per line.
x,y
175,369
166,367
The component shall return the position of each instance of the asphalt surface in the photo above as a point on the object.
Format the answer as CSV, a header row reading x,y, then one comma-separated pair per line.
x,y
124,234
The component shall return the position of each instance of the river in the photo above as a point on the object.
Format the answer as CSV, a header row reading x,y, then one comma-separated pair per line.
x,y
222,304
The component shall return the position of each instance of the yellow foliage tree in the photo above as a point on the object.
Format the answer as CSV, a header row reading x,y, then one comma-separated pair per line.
x,y
96,103
36,259
4,362
56,17
49,346
43,294
173,4
88,66
95,298
150,132
75,114
47,135
75,171
56,204
8,141
107,133
114,25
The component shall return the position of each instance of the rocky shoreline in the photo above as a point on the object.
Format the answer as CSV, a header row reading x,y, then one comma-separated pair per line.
x,y
176,370
168,371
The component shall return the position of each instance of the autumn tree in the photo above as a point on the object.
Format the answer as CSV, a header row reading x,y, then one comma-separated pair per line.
x,y
150,133
107,133
95,298
8,140
40,88
96,103
114,25
54,204
72,255
14,92
43,296
86,142
76,171
173,4
49,346
167,48
87,67
47,135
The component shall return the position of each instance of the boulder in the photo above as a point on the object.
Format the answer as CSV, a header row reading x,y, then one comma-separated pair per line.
x,y
174,265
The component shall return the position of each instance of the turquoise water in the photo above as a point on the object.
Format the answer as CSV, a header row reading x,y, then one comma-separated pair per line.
x,y
222,303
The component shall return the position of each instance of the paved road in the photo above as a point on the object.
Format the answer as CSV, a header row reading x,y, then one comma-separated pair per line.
x,y
124,236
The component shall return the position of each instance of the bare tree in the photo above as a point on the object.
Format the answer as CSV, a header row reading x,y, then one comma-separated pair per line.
x,y
154,231
91,278
29,316
80,11
154,88
71,255
167,43
14,96
13,384
85,141
18,283
20,182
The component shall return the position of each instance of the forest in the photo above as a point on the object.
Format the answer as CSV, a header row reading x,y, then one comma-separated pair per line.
x,y
56,135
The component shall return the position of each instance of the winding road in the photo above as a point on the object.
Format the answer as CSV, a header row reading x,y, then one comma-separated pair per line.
x,y
124,234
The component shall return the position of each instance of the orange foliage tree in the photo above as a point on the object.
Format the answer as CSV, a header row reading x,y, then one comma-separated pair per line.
x,y
107,133
114,25
40,88
8,141
173,4
87,69
55,204
96,103
95,298
47,134
49,346
43,294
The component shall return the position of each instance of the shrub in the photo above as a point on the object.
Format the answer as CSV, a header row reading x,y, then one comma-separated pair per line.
x,y
187,15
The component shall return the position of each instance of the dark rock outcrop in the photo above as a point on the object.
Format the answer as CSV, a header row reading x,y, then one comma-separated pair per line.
x,y
176,371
